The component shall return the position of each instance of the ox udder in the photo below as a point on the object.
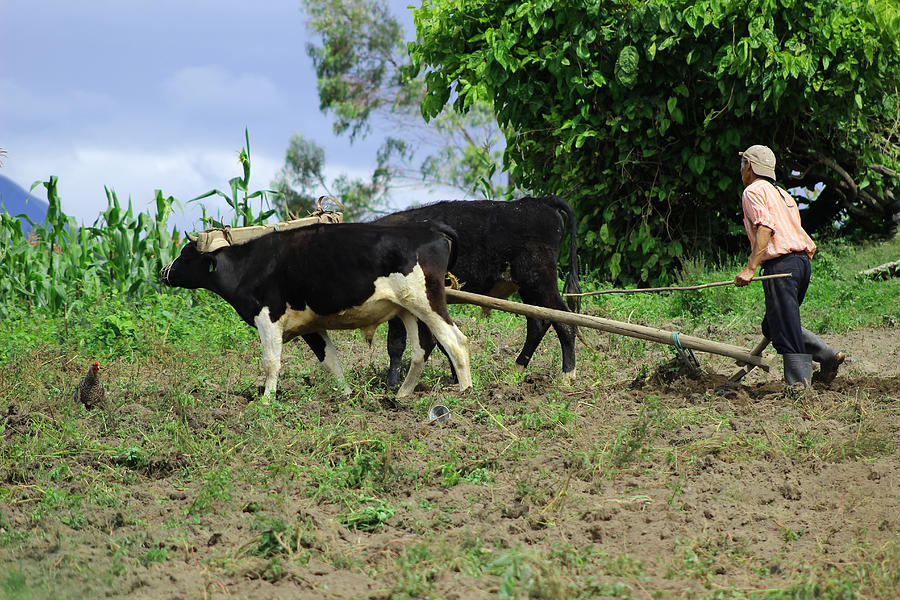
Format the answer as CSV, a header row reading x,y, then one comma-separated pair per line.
x,y
307,281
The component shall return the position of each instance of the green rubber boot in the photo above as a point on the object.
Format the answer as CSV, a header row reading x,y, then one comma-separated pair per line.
x,y
797,369
829,359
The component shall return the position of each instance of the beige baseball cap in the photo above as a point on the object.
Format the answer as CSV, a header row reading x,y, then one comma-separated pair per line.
x,y
762,160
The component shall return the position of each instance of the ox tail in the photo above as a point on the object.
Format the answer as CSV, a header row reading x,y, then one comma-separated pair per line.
x,y
572,286
451,236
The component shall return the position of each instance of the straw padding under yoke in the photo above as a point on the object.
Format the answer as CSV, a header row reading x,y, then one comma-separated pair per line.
x,y
219,237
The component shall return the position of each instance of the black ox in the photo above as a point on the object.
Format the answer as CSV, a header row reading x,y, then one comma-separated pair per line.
x,y
504,247
342,276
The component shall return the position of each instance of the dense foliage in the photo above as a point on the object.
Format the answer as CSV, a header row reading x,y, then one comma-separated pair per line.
x,y
636,110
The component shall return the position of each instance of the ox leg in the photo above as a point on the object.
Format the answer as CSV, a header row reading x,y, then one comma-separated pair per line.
x,y
270,340
324,349
417,355
537,328
453,342
430,307
456,345
396,344
567,335
428,343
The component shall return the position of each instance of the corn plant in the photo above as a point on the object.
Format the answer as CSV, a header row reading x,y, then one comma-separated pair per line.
x,y
59,264
34,269
130,249
19,276
240,198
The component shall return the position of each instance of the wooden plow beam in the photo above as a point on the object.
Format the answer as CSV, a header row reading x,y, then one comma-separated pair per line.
x,y
627,329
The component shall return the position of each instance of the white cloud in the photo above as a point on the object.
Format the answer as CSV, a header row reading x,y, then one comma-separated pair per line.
x,y
183,173
214,88
136,173
21,103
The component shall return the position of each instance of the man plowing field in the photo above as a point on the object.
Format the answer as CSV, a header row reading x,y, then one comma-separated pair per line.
x,y
779,243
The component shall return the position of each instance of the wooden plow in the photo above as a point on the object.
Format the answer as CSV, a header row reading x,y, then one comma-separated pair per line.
x,y
748,359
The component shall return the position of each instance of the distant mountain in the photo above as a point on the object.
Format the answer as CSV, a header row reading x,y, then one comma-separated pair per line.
x,y
15,200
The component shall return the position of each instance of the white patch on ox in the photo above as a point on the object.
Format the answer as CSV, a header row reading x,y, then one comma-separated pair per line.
x,y
381,306
271,342
416,354
395,294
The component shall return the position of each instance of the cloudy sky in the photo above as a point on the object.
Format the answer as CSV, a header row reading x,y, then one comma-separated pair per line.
x,y
155,94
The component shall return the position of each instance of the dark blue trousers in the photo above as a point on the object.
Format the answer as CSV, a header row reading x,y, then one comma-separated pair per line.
x,y
783,299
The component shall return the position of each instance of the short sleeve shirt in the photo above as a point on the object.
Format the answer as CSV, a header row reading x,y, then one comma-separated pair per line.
x,y
768,205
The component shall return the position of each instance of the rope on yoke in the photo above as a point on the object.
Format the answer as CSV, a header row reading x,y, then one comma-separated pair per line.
x,y
686,355
452,282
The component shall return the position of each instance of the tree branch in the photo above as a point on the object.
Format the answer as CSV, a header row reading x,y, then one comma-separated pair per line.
x,y
871,200
848,180
882,170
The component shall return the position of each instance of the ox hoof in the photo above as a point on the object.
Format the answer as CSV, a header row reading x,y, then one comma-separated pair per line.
x,y
407,391
569,377
392,378
519,368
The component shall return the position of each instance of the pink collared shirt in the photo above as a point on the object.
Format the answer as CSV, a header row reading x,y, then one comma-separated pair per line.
x,y
766,204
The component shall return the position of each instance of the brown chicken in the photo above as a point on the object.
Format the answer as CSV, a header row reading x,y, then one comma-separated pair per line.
x,y
90,391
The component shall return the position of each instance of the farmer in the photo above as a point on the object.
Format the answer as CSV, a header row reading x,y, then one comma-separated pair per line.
x,y
780,245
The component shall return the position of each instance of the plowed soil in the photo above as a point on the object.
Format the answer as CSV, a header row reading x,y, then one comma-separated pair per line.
x,y
630,482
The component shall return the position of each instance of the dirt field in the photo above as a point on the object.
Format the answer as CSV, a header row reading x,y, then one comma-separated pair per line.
x,y
630,483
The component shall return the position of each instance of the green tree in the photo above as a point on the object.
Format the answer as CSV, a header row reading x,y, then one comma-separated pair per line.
x,y
302,180
299,178
636,110
361,64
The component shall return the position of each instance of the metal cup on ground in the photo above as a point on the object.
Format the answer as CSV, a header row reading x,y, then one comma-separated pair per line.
x,y
439,413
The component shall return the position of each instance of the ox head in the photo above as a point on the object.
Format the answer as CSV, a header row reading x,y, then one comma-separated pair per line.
x,y
192,269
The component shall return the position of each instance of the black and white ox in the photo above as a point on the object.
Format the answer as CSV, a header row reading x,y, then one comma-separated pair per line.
x,y
505,247
338,276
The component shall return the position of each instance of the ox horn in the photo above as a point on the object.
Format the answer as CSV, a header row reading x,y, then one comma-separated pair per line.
x,y
192,237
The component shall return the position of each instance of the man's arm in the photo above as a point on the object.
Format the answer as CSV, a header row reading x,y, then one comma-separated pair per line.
x,y
763,235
